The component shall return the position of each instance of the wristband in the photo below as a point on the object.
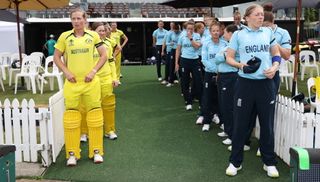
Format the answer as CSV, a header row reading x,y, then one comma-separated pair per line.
x,y
276,59
191,39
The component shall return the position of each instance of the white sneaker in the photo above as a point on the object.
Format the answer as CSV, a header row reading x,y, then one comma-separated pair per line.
x,y
216,119
206,127
222,134
112,135
258,153
189,107
232,171
169,85
176,81
72,161
159,79
199,120
164,82
245,148
97,158
222,127
271,171
83,138
227,141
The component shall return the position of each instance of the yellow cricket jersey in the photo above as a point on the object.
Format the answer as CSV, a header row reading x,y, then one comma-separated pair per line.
x,y
117,36
111,43
105,69
79,51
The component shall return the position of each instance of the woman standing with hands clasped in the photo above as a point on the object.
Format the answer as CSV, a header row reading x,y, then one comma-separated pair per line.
x,y
259,61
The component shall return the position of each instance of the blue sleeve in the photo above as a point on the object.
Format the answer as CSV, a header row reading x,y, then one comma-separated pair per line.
x,y
234,41
154,34
168,38
180,40
273,40
220,57
286,40
197,38
204,56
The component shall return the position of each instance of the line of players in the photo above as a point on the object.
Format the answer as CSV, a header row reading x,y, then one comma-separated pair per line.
x,y
233,72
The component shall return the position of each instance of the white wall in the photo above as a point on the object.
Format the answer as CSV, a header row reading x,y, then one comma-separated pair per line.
x,y
9,37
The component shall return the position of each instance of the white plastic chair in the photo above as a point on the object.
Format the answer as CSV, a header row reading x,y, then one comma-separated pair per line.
x,y
14,57
51,75
4,63
1,82
305,56
286,71
29,71
313,104
40,54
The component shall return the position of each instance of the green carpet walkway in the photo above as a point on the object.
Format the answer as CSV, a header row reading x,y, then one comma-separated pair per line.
x,y
159,141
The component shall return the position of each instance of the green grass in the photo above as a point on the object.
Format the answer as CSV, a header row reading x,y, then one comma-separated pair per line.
x,y
40,99
158,141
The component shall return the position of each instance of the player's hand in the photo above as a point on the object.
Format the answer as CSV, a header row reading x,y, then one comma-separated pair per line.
x,y
70,77
120,48
177,68
269,73
90,76
115,83
162,53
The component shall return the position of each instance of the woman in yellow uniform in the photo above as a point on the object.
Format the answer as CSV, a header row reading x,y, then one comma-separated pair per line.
x,y
118,35
108,80
81,84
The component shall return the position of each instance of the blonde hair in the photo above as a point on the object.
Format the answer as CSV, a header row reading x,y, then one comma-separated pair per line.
x,y
198,26
84,14
250,9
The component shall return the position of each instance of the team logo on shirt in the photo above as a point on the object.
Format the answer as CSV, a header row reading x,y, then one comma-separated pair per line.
x,y
88,41
71,42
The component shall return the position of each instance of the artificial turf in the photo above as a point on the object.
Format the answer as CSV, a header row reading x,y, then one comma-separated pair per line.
x,y
159,141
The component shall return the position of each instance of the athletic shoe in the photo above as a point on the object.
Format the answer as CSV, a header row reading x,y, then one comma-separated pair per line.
x,y
258,153
181,94
159,79
206,127
231,170
227,141
199,120
97,158
195,100
83,138
245,148
72,161
222,134
112,135
189,107
176,81
169,85
121,76
271,171
216,119
164,82
222,127
119,83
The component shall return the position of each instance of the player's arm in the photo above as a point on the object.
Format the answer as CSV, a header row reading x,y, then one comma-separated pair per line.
x,y
195,43
284,52
163,48
177,56
125,40
276,59
230,58
154,40
116,50
58,61
103,58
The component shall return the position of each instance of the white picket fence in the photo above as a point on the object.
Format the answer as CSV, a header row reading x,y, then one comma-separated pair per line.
x,y
34,131
293,127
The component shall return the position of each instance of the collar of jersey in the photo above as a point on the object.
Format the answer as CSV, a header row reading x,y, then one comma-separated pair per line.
x,y
251,30
85,32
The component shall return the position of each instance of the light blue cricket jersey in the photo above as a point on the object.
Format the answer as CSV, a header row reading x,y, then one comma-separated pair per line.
x,y
174,37
209,51
168,42
203,40
282,37
222,65
159,35
250,43
187,50
206,32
